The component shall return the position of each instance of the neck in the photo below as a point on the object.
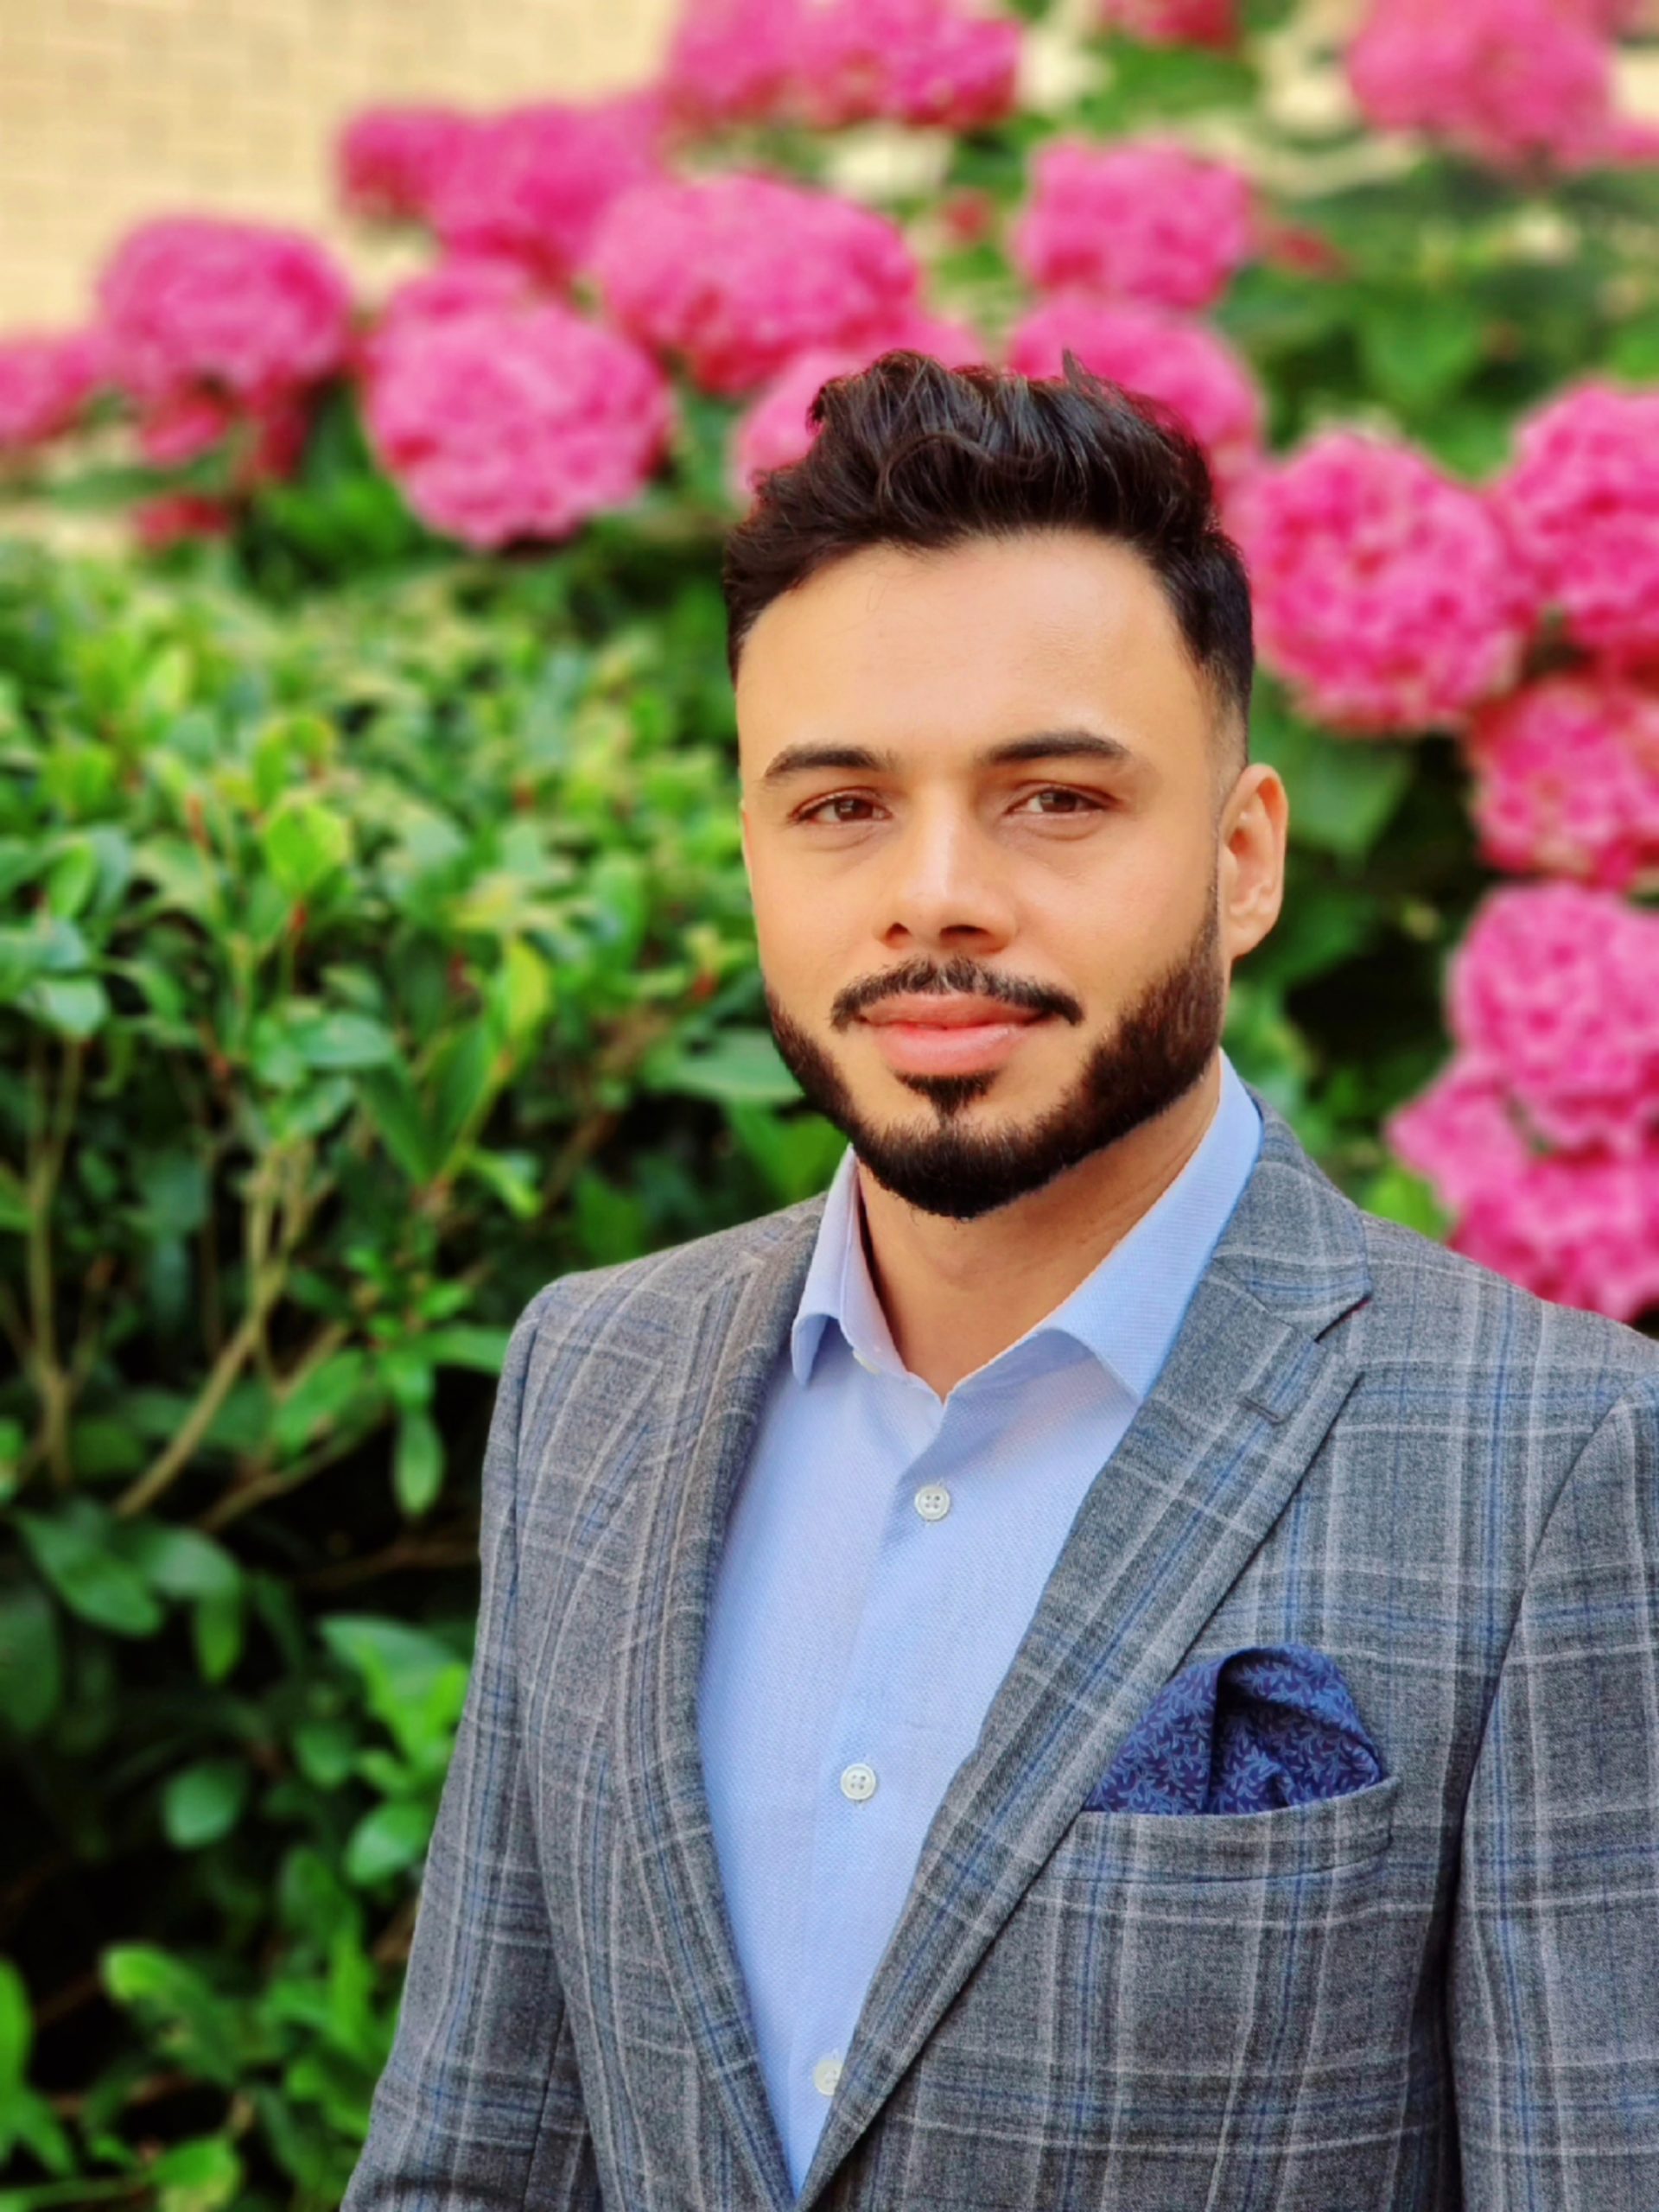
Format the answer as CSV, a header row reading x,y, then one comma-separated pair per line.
x,y
957,1293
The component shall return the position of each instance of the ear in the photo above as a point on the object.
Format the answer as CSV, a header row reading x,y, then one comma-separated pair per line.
x,y
743,828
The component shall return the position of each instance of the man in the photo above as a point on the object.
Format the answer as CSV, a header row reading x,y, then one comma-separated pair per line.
x,y
1078,1669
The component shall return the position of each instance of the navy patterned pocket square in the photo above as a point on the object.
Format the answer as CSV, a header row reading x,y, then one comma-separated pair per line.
x,y
1268,1725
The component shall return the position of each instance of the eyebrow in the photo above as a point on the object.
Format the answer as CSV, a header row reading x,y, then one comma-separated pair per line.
x,y
1038,744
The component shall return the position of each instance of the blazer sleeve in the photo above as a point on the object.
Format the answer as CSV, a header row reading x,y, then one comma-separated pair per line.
x,y
1553,1990
479,2105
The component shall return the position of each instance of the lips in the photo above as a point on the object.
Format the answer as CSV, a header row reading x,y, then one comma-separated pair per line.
x,y
940,1047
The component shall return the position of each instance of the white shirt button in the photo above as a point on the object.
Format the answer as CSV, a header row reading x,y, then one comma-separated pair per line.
x,y
826,2075
858,1782
932,1502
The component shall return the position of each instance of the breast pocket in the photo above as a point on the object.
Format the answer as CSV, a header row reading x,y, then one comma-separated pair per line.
x,y
1197,1952
1165,1976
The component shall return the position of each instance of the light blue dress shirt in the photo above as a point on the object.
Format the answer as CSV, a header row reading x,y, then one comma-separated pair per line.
x,y
885,1554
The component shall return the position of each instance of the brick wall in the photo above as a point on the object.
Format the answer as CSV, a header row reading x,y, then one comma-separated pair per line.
x,y
111,110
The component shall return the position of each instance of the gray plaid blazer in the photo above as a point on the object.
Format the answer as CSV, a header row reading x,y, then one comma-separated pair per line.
x,y
1440,1991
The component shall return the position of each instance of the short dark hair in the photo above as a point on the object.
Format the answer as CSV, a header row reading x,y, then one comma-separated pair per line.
x,y
910,453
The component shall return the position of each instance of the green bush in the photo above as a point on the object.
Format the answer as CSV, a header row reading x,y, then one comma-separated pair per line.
x,y
372,964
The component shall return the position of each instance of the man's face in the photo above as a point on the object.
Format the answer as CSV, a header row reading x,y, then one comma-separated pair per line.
x,y
1082,889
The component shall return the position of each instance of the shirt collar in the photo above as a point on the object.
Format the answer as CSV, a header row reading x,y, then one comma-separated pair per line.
x,y
1126,1312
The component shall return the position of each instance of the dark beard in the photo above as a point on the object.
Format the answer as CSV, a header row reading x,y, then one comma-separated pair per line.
x,y
1160,1048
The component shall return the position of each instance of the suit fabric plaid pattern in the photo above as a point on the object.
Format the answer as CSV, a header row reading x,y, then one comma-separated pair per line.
x,y
1436,1992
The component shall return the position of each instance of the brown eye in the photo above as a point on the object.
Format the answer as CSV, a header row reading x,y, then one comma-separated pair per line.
x,y
837,798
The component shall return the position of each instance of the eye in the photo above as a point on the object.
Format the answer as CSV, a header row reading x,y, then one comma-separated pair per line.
x,y
1048,791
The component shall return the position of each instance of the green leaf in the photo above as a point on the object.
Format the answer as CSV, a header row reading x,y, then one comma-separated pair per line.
x,y
389,1097
218,1627
74,1551
204,1802
1420,348
16,2029
343,1040
464,1344
204,2175
797,1153
1397,1194
31,1666
75,1006
303,843
334,1389
741,1064
181,1562
1342,791
326,1751
417,1465
387,1840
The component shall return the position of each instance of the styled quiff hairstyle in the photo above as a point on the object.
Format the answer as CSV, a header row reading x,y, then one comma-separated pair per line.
x,y
910,453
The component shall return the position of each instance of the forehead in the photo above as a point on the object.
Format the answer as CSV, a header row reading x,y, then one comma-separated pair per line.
x,y
954,648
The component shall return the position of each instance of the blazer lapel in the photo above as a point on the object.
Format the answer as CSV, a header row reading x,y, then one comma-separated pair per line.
x,y
1207,1466
712,1392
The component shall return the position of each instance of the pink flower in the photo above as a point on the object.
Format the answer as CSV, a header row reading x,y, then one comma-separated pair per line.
x,y
1579,1228
1186,365
533,183
1554,993
463,285
923,62
733,60
775,430
1568,779
1383,591
46,380
1580,503
195,302
391,160
1145,220
1459,1135
1171,22
735,274
1505,80
504,423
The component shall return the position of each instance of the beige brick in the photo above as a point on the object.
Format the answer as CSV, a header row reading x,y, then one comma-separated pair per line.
x,y
115,110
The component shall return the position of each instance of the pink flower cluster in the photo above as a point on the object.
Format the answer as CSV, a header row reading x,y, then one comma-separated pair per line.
x,y
775,431
825,63
247,312
1171,22
1566,776
1383,591
391,160
45,379
460,286
508,423
1186,364
732,60
736,274
922,61
1504,79
1580,503
532,184
1554,1007
1144,220
219,331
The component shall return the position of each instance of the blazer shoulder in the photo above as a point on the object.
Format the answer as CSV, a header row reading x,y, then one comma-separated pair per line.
x,y
1454,1310
676,1275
